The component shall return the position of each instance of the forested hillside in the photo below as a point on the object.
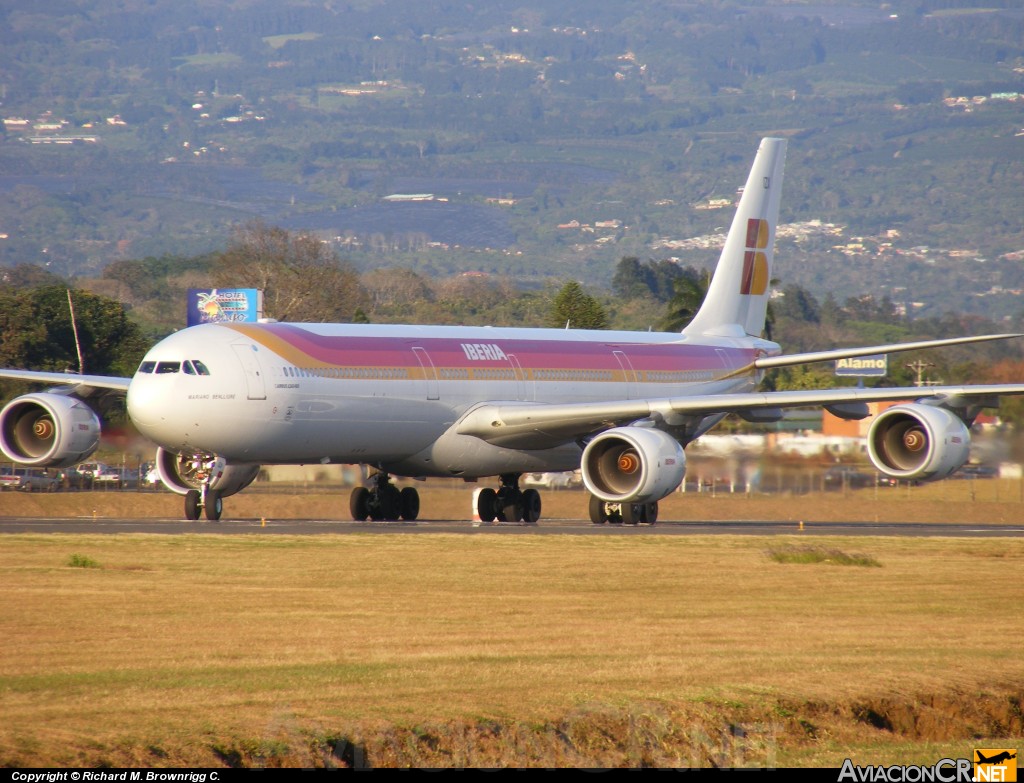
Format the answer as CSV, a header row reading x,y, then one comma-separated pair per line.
x,y
544,140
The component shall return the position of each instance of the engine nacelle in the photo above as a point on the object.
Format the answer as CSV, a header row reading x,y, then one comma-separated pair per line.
x,y
633,465
919,442
182,472
48,430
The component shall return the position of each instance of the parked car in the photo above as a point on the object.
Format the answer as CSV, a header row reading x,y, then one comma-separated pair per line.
x,y
89,471
562,480
8,480
889,481
976,472
71,478
108,478
847,476
29,480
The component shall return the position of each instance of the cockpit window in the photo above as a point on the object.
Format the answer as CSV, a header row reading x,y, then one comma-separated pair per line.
x,y
195,367
147,367
167,368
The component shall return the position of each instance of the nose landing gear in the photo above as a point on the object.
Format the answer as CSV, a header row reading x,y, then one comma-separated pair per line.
x,y
206,500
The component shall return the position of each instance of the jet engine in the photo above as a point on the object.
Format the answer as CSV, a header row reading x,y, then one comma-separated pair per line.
x,y
48,430
183,472
919,442
633,465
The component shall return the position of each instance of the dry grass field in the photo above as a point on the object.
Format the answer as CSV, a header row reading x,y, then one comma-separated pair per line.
x,y
449,650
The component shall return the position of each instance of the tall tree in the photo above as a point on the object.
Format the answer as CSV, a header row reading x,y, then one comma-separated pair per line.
x,y
302,278
576,308
36,332
690,290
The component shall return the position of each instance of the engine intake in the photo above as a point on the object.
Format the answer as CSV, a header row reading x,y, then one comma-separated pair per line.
x,y
633,465
919,442
48,430
182,472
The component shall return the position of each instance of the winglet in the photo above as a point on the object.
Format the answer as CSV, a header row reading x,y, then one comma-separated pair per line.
x,y
737,298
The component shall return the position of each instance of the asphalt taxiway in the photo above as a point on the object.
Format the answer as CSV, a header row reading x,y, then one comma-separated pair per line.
x,y
307,527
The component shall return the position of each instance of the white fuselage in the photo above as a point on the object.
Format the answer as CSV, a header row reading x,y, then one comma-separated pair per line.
x,y
391,395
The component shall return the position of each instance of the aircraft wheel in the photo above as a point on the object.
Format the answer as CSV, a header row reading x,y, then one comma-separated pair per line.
x,y
192,505
632,513
650,513
598,512
409,504
511,506
390,502
487,505
358,504
214,505
531,506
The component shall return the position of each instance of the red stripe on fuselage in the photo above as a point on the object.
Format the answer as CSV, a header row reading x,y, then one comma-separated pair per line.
x,y
310,349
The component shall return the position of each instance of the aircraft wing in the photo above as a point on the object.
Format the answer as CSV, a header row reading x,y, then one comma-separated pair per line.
x,y
791,359
81,385
538,425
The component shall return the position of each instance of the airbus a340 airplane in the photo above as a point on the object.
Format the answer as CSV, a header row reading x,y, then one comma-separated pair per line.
x,y
219,400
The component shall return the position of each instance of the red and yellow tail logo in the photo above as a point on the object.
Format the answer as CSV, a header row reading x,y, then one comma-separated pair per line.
x,y
995,764
755,262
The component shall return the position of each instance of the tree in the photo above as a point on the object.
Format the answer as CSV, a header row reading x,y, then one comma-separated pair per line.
x,y
690,290
302,279
36,332
799,304
630,281
576,308
634,279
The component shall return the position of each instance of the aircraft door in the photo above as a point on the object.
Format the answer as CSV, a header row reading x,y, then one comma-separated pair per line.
x,y
247,354
429,372
525,389
723,357
628,372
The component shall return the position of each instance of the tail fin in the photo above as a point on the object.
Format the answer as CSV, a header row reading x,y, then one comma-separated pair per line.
x,y
737,298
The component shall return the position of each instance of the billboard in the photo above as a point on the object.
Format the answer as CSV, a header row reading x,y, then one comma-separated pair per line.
x,y
874,366
213,305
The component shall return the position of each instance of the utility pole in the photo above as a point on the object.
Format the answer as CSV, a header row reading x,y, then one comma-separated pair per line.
x,y
74,329
919,367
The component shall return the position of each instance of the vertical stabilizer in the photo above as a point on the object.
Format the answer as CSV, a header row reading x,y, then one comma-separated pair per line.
x,y
737,298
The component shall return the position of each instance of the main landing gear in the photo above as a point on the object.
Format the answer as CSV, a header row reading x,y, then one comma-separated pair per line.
x,y
208,500
509,503
602,512
383,500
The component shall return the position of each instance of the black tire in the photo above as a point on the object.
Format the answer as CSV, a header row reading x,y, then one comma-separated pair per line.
x,y
409,504
598,514
214,505
390,502
651,513
358,504
511,506
487,505
632,513
531,506
192,505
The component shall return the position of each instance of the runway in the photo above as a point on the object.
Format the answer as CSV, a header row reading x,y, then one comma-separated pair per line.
x,y
309,527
